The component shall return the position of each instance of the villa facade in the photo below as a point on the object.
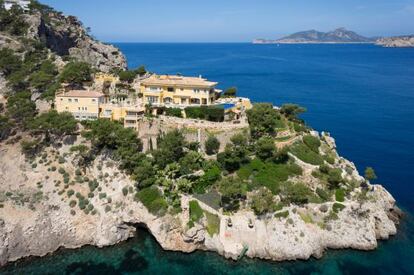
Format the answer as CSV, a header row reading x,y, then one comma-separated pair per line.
x,y
82,104
158,91
178,91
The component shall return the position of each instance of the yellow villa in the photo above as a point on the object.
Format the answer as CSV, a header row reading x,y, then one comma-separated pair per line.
x,y
83,104
178,91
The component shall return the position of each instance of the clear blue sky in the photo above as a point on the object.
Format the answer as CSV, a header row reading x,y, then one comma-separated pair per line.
x,y
234,20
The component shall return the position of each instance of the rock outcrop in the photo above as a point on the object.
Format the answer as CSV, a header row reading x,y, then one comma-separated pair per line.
x,y
397,41
37,215
66,36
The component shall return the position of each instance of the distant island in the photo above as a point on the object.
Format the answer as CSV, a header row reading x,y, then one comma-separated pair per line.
x,y
340,35
404,41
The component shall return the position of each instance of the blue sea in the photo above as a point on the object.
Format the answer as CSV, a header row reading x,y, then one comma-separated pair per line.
x,y
362,94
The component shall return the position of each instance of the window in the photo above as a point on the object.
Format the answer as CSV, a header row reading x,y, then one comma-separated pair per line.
x,y
152,99
70,100
170,89
153,89
93,100
61,99
197,91
78,108
76,100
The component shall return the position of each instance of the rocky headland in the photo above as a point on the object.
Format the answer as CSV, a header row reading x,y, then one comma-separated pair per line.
x,y
273,188
405,41
37,218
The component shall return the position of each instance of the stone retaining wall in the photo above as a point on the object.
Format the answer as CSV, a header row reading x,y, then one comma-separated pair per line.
x,y
194,130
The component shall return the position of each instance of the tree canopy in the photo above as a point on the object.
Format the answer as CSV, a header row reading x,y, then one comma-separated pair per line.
x,y
212,145
76,73
170,148
263,119
292,111
54,123
230,92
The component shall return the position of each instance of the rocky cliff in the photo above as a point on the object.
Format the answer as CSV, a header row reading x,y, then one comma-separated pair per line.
x,y
66,37
397,41
40,213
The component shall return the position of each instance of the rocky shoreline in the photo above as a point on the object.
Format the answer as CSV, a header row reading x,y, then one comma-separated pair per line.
x,y
37,228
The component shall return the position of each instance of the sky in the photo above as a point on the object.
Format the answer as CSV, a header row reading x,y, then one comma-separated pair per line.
x,y
234,20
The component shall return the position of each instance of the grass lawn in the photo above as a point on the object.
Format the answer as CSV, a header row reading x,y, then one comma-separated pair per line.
x,y
196,212
213,223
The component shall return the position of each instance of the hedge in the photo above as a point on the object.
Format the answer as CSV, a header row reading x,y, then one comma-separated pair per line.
x,y
211,113
177,112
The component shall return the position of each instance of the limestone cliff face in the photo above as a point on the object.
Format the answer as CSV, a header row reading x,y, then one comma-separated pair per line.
x,y
37,218
66,36
397,41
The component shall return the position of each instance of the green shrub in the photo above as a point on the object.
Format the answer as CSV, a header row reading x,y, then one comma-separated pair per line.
x,y
230,92
176,112
271,175
337,207
335,178
83,203
125,191
72,203
102,195
330,159
76,73
212,145
196,212
61,160
297,193
312,142
340,195
212,175
211,113
299,127
153,200
61,170
78,172
107,208
305,154
262,201
263,120
93,185
70,193
282,214
322,194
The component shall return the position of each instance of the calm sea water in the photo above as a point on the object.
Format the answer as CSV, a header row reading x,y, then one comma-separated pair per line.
x,y
362,94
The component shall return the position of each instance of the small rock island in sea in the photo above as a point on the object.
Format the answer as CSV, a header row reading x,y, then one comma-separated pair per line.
x,y
89,151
